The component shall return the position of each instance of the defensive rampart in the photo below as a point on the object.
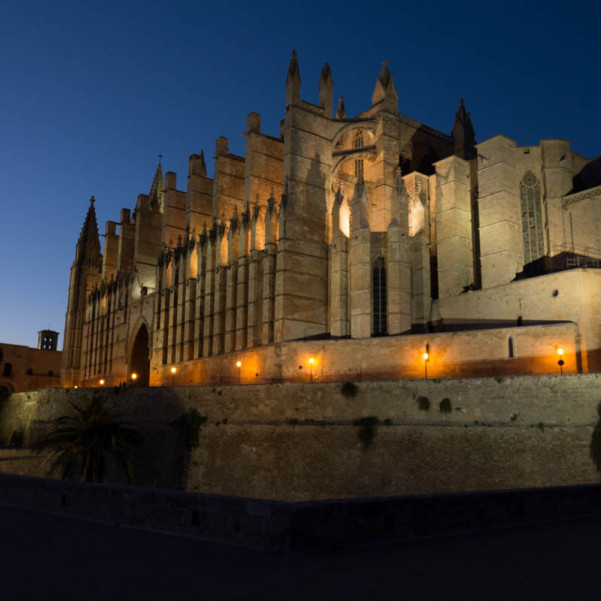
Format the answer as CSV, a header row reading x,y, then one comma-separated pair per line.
x,y
298,442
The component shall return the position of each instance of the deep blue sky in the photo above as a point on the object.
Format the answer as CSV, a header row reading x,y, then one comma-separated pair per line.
x,y
92,92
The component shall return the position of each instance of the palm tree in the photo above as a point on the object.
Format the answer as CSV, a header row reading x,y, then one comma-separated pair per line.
x,y
80,443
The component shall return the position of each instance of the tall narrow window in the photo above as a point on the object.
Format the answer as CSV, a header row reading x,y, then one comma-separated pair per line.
x,y
359,162
379,325
532,219
510,349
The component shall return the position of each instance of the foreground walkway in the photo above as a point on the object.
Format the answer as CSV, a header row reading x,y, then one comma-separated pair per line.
x,y
51,557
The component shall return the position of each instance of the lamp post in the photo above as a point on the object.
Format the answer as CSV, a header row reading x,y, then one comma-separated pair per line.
x,y
173,372
134,377
426,358
311,367
561,361
239,365
101,382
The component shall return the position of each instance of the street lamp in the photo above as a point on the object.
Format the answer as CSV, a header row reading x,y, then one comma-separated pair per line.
x,y
426,358
239,365
561,361
173,372
311,366
134,377
101,382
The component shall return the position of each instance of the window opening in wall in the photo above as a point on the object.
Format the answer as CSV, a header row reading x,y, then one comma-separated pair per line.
x,y
359,162
379,325
8,370
510,344
532,219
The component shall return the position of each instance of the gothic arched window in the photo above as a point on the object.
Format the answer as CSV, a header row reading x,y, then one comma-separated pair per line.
x,y
379,324
359,143
532,218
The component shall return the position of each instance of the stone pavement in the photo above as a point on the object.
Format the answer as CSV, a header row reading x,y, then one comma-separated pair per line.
x,y
52,557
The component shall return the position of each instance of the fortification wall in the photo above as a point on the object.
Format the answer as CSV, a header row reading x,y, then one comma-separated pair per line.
x,y
295,442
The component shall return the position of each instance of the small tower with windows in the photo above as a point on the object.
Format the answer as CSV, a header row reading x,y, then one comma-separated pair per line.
x,y
47,340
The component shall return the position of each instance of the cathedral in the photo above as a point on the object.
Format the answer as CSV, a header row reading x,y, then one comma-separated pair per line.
x,y
345,247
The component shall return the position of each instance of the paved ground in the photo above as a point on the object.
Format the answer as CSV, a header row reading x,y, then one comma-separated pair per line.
x,y
51,557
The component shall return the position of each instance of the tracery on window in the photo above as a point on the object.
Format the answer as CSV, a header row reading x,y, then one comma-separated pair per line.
x,y
359,162
532,218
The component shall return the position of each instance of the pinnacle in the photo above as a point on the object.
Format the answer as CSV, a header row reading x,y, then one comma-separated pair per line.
x,y
341,112
293,67
385,75
157,186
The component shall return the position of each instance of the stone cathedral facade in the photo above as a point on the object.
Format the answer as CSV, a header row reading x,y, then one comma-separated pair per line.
x,y
345,247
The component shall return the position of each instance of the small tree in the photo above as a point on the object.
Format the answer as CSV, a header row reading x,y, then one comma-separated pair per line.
x,y
80,444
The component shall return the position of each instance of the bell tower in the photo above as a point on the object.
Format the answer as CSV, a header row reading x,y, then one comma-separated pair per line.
x,y
86,272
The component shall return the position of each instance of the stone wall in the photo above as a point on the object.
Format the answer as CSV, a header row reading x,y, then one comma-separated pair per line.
x,y
295,442
276,526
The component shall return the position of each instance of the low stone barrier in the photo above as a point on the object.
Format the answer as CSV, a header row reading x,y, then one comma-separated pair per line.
x,y
281,527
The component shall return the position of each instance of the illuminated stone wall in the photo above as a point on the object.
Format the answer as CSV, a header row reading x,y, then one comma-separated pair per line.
x,y
302,441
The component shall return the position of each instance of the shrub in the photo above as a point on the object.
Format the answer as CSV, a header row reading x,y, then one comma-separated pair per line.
x,y
445,406
367,429
423,403
349,389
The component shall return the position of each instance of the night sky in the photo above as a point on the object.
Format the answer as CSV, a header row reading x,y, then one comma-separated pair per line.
x,y
92,92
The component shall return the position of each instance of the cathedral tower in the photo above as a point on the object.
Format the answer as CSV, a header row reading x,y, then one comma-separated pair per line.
x,y
85,274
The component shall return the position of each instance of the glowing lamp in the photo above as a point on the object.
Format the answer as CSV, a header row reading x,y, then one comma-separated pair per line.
x,y
101,382
239,364
560,351
134,376
425,356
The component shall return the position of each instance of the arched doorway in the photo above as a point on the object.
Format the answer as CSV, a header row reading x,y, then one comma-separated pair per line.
x,y
140,357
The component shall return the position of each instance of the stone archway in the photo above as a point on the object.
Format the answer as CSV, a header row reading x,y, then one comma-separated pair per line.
x,y
139,362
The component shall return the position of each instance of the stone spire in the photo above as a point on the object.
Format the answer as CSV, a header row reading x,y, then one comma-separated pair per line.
x,y
202,166
385,90
293,81
341,112
463,134
326,90
88,244
155,196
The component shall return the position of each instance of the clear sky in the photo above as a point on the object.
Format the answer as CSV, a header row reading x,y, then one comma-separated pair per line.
x,y
92,92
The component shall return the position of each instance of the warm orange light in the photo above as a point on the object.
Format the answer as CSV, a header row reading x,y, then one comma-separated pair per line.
x,y
425,356
134,376
239,364
75,386
311,360
560,351
101,382
174,370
